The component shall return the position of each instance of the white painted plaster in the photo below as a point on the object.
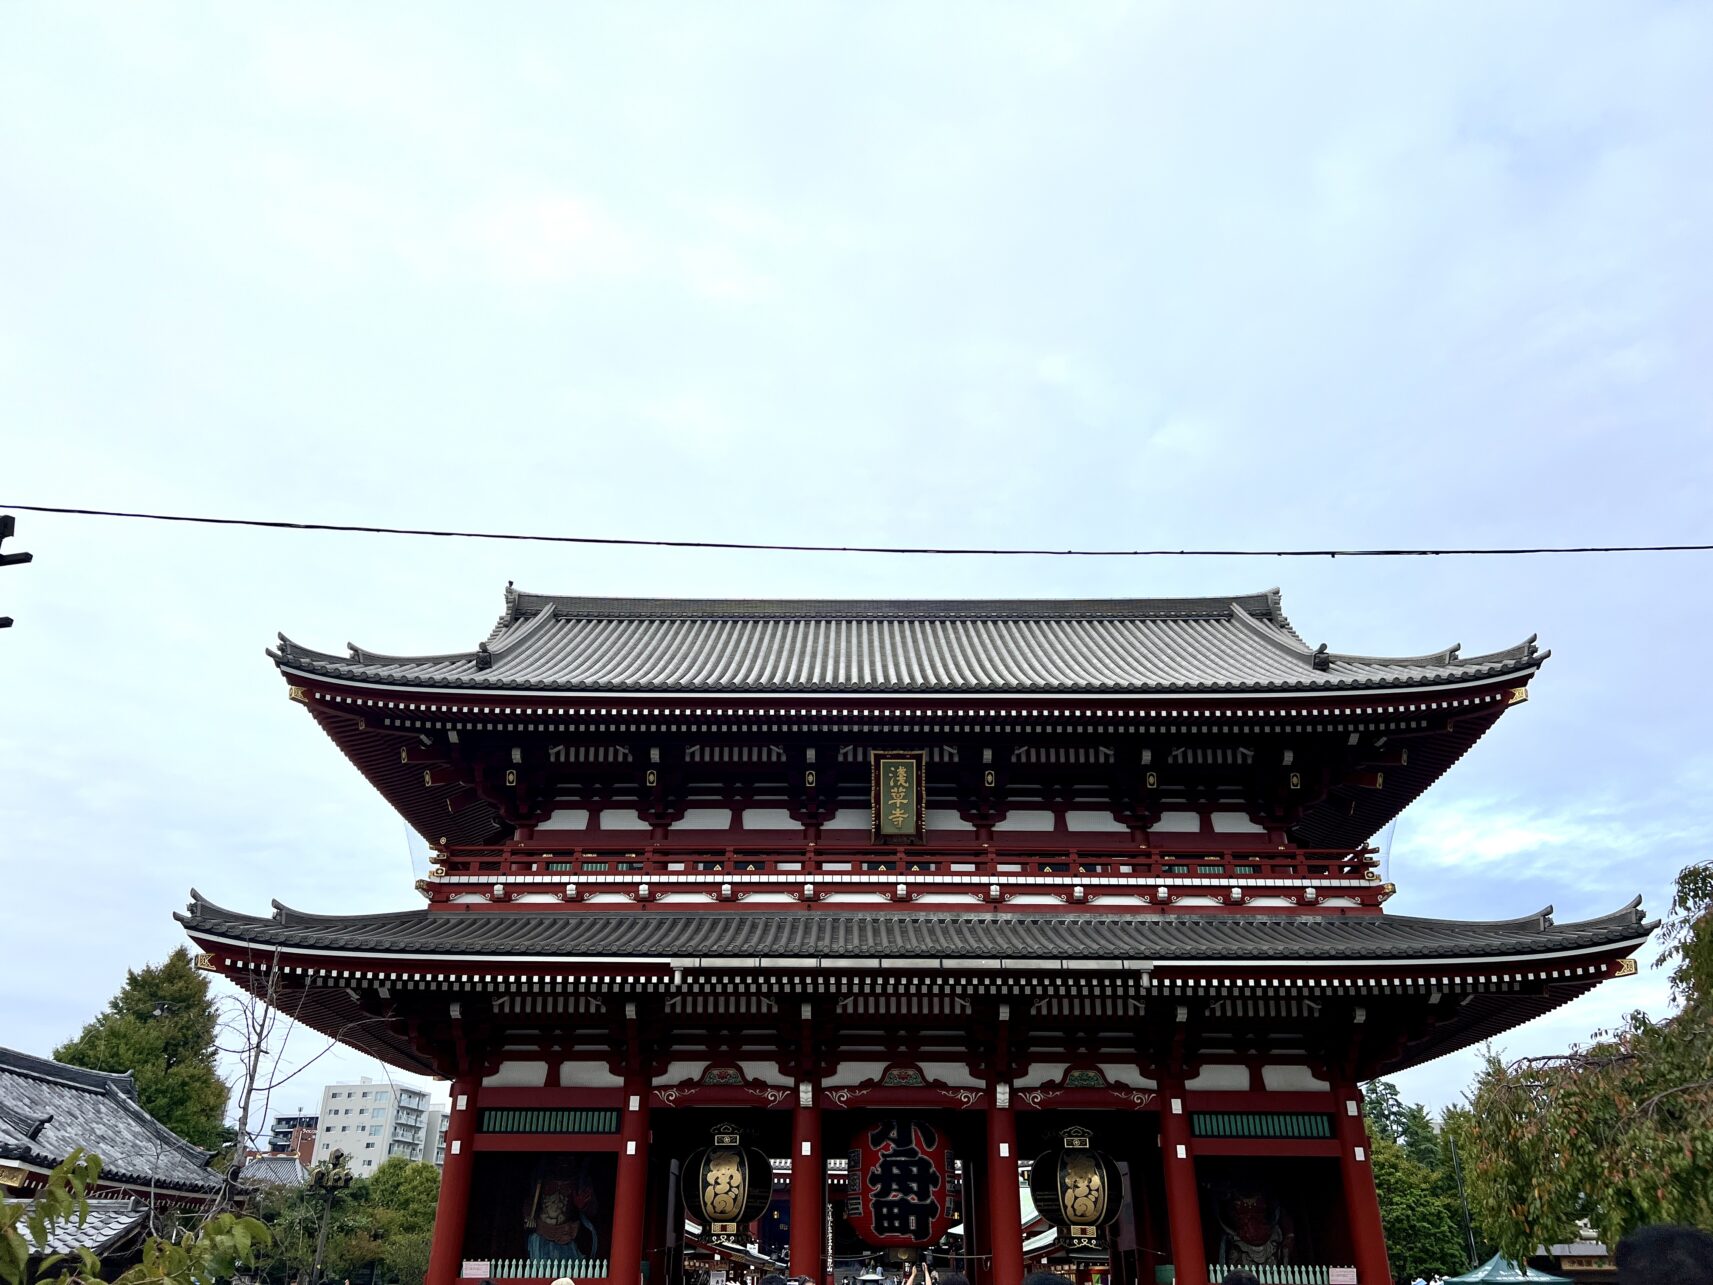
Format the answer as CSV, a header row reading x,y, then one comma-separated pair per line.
x,y
1177,823
1026,820
587,1075
848,819
566,819
851,1074
1291,1079
1220,1079
704,819
769,819
1081,822
517,1075
1235,823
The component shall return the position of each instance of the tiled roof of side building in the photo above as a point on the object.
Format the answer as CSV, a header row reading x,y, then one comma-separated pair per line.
x,y
107,1223
960,646
720,938
48,1109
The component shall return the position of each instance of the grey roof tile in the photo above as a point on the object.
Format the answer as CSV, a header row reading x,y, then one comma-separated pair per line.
x,y
48,1109
968,646
107,1222
711,937
275,1171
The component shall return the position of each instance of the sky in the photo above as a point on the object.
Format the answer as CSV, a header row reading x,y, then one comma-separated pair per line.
x,y
1073,276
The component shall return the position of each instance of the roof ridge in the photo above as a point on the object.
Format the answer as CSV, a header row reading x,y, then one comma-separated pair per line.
x,y
565,606
77,1077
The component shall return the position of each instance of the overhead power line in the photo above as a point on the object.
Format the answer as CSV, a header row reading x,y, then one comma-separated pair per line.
x,y
757,547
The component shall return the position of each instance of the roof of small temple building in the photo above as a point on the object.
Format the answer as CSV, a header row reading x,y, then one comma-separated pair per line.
x,y
1241,644
49,1109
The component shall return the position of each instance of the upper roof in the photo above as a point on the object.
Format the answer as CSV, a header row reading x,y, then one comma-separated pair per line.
x,y
48,1109
970,646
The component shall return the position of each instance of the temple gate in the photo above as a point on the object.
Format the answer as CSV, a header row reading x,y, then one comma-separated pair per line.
x,y
796,936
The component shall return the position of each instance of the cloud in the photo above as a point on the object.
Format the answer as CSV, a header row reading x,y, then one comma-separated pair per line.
x,y
551,239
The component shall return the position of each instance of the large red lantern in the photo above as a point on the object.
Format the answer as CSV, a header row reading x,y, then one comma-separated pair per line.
x,y
900,1184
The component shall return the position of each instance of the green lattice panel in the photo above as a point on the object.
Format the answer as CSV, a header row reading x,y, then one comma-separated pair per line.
x,y
547,1120
1260,1124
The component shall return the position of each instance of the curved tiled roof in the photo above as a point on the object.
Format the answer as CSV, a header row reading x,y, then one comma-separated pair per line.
x,y
48,1109
715,938
966,646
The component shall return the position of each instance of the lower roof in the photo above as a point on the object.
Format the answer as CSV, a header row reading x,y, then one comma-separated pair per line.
x,y
832,938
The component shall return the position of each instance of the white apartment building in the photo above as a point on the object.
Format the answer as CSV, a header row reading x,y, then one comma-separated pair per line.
x,y
370,1122
434,1136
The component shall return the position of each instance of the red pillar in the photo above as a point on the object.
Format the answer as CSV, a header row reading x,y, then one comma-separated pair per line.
x,y
1004,1205
1361,1203
808,1184
630,1200
1183,1200
446,1254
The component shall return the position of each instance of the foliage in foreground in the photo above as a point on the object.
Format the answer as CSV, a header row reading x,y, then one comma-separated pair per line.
x,y
208,1253
1620,1132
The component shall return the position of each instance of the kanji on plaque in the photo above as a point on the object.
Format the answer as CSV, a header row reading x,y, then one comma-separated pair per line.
x,y
901,1175
898,792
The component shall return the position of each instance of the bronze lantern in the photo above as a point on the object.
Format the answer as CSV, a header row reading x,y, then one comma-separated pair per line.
x,y
726,1184
1078,1190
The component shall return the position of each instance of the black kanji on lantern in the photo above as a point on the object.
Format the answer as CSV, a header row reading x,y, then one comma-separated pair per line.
x,y
904,1179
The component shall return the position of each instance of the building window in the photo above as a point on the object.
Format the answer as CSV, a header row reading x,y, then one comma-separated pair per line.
x,y
368,1146
381,1096
362,1110
375,1129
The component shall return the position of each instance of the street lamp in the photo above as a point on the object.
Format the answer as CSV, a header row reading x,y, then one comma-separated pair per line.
x,y
327,1178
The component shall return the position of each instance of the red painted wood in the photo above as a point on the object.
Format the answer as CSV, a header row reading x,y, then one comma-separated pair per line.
x,y
548,1142
808,1188
446,1252
631,1196
1004,1198
1326,1147
1183,1201
1361,1203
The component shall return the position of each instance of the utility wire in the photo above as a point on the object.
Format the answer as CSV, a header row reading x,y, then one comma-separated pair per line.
x,y
353,528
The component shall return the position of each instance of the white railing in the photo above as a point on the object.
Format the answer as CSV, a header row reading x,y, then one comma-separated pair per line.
x,y
1282,1274
583,1269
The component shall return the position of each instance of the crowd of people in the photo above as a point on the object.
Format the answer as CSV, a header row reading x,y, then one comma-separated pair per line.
x,y
1661,1255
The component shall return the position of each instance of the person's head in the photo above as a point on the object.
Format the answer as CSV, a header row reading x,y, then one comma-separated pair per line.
x,y
1043,1278
1241,1278
1665,1255
954,1278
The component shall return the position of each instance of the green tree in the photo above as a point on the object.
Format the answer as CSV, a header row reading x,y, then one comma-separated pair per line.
x,y
1383,1109
382,1223
1619,1132
1424,1231
160,1027
1419,1205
